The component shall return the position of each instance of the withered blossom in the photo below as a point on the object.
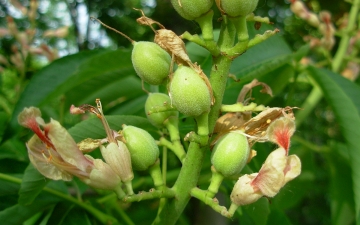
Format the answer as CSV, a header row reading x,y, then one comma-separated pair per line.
x,y
277,170
54,153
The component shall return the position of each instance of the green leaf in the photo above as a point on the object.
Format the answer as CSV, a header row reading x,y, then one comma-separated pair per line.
x,y
348,118
32,184
93,128
9,187
68,72
278,217
351,89
341,193
3,121
277,80
77,216
108,88
17,214
252,212
60,211
14,149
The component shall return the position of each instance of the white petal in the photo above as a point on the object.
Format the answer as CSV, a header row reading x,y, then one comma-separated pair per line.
x,y
66,146
243,192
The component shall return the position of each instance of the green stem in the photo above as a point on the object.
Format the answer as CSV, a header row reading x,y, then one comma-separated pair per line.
x,y
187,179
152,194
203,124
155,173
345,39
307,107
232,209
172,125
176,148
103,218
119,192
218,78
164,164
214,204
309,145
129,188
215,182
206,25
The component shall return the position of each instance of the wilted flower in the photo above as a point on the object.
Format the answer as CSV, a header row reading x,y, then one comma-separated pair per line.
x,y
277,170
115,153
55,154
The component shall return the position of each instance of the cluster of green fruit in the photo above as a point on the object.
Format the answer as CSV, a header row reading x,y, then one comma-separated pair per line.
x,y
189,94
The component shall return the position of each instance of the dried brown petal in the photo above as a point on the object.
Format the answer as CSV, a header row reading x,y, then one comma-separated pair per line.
x,y
174,45
256,127
89,144
248,88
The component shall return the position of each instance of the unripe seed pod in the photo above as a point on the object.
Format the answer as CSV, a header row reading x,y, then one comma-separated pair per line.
x,y
142,147
190,9
230,153
151,62
157,100
237,8
189,93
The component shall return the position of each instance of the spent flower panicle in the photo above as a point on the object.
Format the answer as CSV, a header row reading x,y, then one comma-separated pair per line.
x,y
55,154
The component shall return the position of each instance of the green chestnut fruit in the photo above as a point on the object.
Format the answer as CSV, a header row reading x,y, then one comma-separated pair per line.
x,y
142,147
235,8
189,93
157,100
230,153
192,9
151,62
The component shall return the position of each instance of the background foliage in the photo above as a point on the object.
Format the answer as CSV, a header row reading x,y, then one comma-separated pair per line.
x,y
89,67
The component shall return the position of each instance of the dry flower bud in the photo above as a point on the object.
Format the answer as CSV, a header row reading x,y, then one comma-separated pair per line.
x,y
118,157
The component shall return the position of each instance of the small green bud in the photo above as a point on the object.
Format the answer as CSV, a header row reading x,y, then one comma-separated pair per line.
x,y
151,62
230,153
235,8
189,92
158,100
190,9
142,147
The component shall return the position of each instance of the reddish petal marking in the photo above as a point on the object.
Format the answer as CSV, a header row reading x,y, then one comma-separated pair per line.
x,y
34,126
283,138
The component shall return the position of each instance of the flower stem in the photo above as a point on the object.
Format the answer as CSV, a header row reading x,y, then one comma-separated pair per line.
x,y
215,182
213,203
155,173
152,194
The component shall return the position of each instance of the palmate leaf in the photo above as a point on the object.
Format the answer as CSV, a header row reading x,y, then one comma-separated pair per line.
x,y
69,72
343,104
